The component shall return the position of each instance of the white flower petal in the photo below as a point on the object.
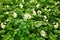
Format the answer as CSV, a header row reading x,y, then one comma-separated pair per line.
x,y
43,33
2,26
27,16
15,15
56,26
21,5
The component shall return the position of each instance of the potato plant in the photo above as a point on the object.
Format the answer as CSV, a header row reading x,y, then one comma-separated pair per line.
x,y
29,19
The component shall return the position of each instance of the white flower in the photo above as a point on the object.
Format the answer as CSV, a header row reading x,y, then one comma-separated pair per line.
x,y
7,6
45,8
45,17
56,3
27,16
43,33
54,22
7,12
37,5
34,12
14,15
2,26
49,9
46,20
21,5
22,0
32,0
39,12
56,26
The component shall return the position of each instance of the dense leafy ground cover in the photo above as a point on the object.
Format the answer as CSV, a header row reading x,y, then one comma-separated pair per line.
x,y
29,19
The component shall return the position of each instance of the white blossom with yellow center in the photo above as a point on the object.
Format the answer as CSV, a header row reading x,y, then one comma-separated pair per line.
x,y
39,12
43,33
56,26
2,26
14,15
27,16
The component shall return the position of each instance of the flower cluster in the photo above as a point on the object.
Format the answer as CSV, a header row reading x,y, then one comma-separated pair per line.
x,y
29,19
